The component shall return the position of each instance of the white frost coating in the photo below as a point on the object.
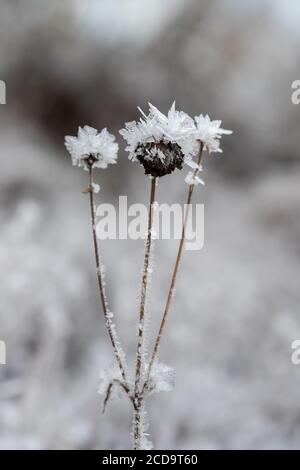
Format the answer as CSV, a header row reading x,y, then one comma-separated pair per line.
x,y
162,378
95,188
103,270
144,326
107,377
109,316
89,142
144,443
154,235
177,127
192,179
209,133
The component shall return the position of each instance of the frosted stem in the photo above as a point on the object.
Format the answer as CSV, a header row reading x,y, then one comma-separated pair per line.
x,y
174,275
108,322
141,329
137,426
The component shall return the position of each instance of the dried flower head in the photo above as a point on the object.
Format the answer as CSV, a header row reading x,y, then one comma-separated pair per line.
x,y
161,143
209,133
92,149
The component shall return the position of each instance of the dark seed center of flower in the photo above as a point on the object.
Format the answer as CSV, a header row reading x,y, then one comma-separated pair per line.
x,y
159,159
90,160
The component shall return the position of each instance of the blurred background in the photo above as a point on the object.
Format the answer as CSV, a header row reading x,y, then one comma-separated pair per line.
x,y
236,311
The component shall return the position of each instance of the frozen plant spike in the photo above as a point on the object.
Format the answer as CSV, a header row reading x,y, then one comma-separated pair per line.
x,y
92,149
193,179
209,133
161,143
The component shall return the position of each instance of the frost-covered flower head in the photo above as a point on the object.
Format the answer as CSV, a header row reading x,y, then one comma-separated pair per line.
x,y
160,143
92,149
209,133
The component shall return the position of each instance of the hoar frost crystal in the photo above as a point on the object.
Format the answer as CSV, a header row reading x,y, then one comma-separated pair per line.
x,y
91,148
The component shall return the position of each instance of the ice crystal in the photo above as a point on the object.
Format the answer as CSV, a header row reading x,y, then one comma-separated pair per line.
x,y
193,179
143,423
108,376
162,378
209,133
95,188
91,148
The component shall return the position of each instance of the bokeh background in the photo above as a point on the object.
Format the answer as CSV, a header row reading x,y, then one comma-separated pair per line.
x,y
236,311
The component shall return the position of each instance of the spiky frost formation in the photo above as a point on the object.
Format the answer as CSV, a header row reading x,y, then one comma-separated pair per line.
x,y
161,143
107,377
144,326
162,378
192,179
95,188
92,149
209,133
141,422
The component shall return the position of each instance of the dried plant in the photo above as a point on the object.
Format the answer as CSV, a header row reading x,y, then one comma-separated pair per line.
x,y
161,144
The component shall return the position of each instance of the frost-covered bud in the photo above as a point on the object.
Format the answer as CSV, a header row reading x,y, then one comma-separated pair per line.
x,y
91,149
209,133
161,143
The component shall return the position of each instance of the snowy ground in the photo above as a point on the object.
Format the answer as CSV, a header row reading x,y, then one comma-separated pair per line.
x,y
235,314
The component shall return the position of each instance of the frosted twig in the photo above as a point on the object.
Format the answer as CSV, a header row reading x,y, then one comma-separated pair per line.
x,y
141,330
174,275
109,390
108,322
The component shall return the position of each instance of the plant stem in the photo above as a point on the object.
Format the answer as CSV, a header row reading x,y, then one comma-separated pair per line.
x,y
174,275
137,424
109,325
141,327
